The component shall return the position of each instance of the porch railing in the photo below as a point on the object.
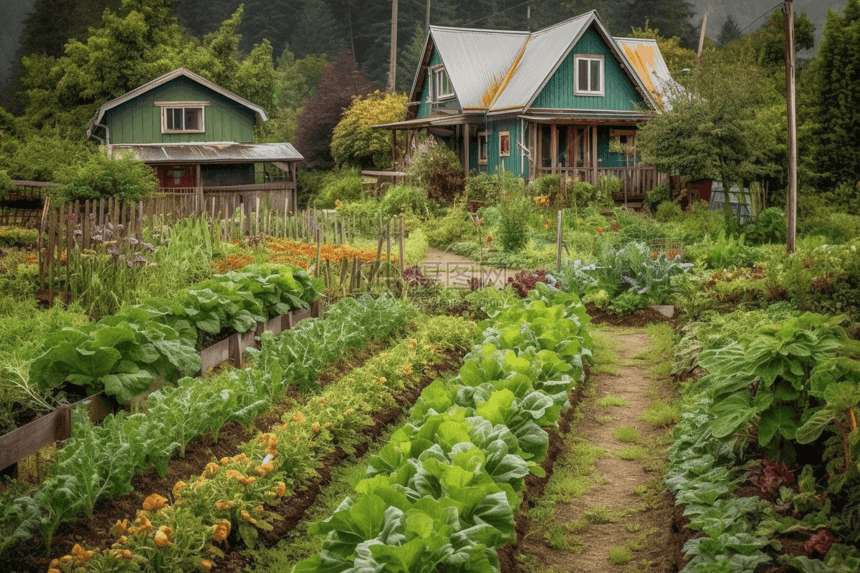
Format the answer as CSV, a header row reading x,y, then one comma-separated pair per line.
x,y
636,181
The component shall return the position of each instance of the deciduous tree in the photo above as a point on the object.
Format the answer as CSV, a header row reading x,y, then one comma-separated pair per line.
x,y
355,143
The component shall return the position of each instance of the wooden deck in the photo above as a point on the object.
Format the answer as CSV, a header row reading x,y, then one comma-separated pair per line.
x,y
636,181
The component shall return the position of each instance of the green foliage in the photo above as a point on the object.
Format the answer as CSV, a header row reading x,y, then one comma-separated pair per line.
x,y
41,158
454,226
515,212
340,185
490,187
355,142
657,196
769,227
403,198
607,185
17,237
5,182
438,169
725,251
546,186
103,177
583,194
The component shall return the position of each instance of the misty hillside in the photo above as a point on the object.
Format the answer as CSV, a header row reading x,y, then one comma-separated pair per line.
x,y
745,11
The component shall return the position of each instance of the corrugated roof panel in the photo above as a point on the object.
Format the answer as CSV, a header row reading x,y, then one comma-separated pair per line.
x,y
645,56
226,152
543,52
477,61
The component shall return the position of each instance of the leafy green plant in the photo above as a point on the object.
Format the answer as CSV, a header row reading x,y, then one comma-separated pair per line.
x,y
657,196
514,214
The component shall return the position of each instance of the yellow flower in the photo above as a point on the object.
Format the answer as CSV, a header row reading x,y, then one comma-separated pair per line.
x,y
259,509
327,425
166,530
315,427
407,369
247,480
347,412
281,489
247,517
225,461
178,486
412,343
161,539
123,540
211,468
65,558
154,502
126,554
206,565
384,356
337,204
221,530
234,474
295,439
298,418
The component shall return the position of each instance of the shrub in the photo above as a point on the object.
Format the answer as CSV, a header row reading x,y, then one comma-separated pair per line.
x,y
343,185
439,171
769,227
481,187
365,215
545,186
583,194
402,198
514,215
354,142
102,177
454,226
5,182
607,186
657,195
668,211
17,237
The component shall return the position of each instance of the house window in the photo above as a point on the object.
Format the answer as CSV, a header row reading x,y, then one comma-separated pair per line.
x,y
505,144
588,77
443,86
182,117
482,148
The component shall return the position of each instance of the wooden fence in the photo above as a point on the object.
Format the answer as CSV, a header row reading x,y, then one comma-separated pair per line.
x,y
56,426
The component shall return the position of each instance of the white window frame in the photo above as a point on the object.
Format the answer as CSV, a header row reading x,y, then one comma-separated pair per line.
x,y
183,105
483,146
587,91
439,75
502,135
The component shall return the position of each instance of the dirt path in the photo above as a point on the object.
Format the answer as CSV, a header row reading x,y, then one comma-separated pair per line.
x,y
623,511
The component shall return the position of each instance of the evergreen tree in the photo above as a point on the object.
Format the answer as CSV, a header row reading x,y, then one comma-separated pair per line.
x,y
836,99
407,62
340,81
317,31
769,40
729,31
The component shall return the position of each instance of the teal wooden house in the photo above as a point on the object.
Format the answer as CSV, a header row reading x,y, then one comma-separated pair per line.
x,y
545,102
199,138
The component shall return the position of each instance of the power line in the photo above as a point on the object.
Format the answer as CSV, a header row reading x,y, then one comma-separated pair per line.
x,y
759,18
494,13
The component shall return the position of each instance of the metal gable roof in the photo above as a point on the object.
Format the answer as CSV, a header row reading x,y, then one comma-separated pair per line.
x,y
223,152
542,55
128,96
645,57
477,61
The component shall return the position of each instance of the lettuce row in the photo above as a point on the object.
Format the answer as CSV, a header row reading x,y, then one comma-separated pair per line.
x,y
122,353
99,461
442,493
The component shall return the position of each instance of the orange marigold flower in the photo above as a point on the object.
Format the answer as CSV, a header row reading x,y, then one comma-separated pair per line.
x,y
131,530
178,486
220,505
65,558
234,474
161,539
54,570
221,530
55,563
315,427
407,369
126,554
247,517
489,238
240,458
281,489
154,502
295,439
225,461
384,356
599,230
247,480
298,418
327,425
412,344
166,530
122,526
122,540
259,509
348,412
77,550
206,565
212,468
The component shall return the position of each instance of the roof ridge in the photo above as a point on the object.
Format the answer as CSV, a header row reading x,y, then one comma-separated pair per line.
x,y
563,22
482,30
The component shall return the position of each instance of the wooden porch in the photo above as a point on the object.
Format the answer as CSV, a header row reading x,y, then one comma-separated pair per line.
x,y
226,199
636,181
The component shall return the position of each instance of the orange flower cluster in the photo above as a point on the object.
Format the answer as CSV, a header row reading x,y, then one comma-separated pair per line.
x,y
304,254
232,263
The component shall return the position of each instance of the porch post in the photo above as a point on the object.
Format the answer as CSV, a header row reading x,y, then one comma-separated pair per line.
x,y
532,127
394,150
466,149
199,181
594,152
553,147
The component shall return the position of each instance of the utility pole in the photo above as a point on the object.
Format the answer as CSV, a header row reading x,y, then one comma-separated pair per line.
x,y
702,39
791,104
392,69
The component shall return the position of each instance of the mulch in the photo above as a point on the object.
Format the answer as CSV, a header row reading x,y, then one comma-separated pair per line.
x,y
639,318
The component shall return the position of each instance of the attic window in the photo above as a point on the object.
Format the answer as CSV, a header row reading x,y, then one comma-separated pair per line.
x,y
588,75
182,117
443,86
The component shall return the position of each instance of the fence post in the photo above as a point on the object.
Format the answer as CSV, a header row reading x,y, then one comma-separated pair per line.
x,y
558,244
402,247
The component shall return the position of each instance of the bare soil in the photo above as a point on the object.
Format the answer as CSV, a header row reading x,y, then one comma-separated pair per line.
x,y
622,476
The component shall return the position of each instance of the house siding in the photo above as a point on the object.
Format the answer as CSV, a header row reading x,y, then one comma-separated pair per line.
x,y
424,108
620,93
139,120
511,163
